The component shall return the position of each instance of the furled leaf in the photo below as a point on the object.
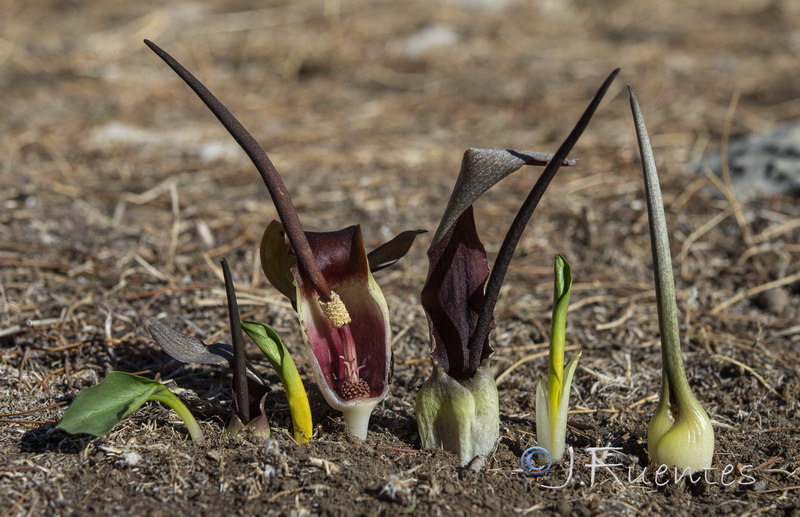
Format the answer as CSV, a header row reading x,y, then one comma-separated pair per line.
x,y
562,287
98,409
552,397
270,343
239,364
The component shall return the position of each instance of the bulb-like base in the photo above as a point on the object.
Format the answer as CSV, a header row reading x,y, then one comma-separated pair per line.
x,y
461,417
681,435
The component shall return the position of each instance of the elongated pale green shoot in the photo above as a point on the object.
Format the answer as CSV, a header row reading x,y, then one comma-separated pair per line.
x,y
270,343
98,409
552,400
680,433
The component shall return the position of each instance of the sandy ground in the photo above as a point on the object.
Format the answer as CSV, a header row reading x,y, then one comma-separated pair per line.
x,y
120,193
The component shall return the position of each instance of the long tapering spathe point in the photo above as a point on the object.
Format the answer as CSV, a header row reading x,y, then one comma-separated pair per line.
x,y
277,189
503,260
237,339
680,433
667,304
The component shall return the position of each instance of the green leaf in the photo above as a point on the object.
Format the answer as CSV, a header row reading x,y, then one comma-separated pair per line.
x,y
270,343
552,397
562,287
98,409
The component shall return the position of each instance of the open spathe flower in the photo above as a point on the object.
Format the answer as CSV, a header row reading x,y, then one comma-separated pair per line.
x,y
680,433
457,407
328,277
347,337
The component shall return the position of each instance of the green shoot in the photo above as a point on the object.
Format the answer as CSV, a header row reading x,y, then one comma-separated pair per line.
x,y
268,341
552,400
98,409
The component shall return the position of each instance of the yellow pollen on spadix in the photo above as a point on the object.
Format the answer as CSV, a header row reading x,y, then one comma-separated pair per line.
x,y
335,311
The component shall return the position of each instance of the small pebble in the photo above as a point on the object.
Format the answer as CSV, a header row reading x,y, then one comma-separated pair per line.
x,y
477,463
774,301
427,38
215,455
132,458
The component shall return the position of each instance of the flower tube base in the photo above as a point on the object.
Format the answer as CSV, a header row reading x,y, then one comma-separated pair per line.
x,y
461,417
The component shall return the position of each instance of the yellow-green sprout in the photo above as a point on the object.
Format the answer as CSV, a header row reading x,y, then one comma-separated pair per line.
x,y
268,341
552,399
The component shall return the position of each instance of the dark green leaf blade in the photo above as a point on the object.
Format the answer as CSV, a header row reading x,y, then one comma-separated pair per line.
x,y
98,409
390,252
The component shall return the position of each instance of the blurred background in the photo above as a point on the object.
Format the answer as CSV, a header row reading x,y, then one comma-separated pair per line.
x,y
365,107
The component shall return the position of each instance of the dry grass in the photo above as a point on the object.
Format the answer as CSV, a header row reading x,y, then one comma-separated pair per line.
x,y
103,226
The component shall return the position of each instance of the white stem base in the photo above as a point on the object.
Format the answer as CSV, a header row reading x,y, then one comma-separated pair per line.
x,y
357,417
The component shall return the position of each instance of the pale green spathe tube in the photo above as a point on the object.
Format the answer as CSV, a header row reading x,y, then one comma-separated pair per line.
x,y
462,417
552,398
680,433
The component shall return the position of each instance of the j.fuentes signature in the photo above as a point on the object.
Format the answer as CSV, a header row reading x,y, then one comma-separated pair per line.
x,y
660,476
